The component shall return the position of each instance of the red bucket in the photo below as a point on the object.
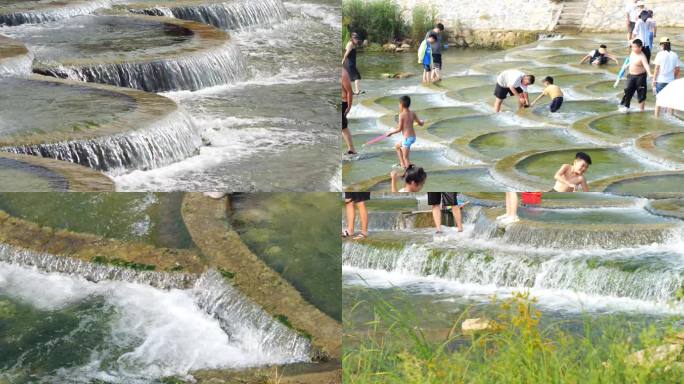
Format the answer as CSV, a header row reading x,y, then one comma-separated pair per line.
x,y
531,198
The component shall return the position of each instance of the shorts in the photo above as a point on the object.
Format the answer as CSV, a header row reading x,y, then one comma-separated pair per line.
x,y
345,123
501,92
353,72
659,87
632,24
437,61
635,84
356,197
446,199
408,142
426,67
556,104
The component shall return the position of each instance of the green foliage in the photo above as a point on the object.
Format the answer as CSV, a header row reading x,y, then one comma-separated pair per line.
x,y
123,263
379,20
423,20
520,350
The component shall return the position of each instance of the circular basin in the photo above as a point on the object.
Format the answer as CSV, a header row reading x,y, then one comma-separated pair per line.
x,y
630,125
497,145
381,165
14,13
16,176
645,184
459,82
418,101
672,144
466,180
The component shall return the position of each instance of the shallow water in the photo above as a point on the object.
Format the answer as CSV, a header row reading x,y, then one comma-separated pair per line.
x,y
459,114
296,235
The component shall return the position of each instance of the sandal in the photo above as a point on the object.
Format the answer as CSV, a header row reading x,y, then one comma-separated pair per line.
x,y
345,234
351,153
359,236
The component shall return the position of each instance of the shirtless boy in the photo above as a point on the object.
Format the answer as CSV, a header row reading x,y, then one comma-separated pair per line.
x,y
636,80
406,120
570,178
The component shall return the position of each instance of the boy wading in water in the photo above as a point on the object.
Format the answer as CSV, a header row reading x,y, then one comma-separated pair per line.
x,y
406,120
425,56
636,80
436,49
512,82
349,61
443,200
347,99
553,92
599,56
570,178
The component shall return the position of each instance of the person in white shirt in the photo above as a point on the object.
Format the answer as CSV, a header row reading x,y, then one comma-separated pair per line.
x,y
666,68
632,14
642,31
512,82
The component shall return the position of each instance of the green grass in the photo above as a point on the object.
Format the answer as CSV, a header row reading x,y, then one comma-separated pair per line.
x,y
123,263
395,350
381,21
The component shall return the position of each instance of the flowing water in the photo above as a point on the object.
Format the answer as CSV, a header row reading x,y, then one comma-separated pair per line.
x,y
463,146
615,260
248,56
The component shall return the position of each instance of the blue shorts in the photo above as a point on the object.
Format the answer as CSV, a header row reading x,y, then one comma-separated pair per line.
x,y
426,67
408,142
659,87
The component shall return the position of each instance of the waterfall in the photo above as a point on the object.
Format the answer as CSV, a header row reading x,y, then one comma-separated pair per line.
x,y
206,68
243,321
53,13
624,273
171,139
225,15
92,271
220,299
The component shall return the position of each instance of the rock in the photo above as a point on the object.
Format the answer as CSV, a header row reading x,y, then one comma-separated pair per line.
x,y
405,46
389,47
399,50
388,75
677,338
403,75
653,355
477,324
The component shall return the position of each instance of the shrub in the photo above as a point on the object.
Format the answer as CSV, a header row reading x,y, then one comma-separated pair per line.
x,y
379,21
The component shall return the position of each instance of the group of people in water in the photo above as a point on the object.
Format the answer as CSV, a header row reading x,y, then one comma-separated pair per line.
x,y
642,31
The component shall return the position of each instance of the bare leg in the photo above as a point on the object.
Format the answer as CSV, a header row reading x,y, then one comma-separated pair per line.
x,y
349,208
497,105
399,155
642,105
514,204
357,86
437,217
346,135
363,215
456,210
405,154
657,112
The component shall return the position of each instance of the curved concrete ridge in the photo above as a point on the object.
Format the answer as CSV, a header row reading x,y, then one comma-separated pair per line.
x,y
586,89
647,144
205,38
79,178
506,171
672,207
368,184
24,234
496,199
15,58
149,108
370,103
603,184
583,129
329,372
463,143
51,10
207,221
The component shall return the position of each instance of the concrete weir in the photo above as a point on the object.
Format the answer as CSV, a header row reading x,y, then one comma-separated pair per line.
x,y
207,222
138,130
219,13
160,54
15,58
14,13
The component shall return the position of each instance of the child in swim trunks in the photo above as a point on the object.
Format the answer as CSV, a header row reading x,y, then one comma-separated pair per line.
x,y
414,179
406,120
570,178
553,92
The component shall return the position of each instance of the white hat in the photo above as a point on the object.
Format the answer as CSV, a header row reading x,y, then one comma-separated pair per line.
x,y
640,3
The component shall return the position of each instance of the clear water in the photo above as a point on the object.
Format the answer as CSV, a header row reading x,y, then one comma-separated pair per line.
x,y
459,114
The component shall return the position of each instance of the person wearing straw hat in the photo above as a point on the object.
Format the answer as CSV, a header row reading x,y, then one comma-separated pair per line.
x,y
666,68
349,61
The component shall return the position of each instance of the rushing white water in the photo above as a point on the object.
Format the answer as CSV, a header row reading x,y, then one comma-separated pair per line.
x,y
171,139
208,68
16,66
52,13
225,15
153,332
